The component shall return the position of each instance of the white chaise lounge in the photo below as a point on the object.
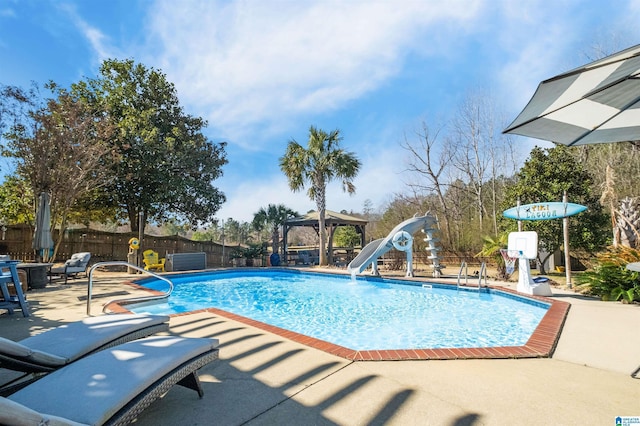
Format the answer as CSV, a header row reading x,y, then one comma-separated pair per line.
x,y
113,386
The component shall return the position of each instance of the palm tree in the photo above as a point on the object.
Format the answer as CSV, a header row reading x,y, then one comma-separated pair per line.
x,y
322,161
273,217
491,248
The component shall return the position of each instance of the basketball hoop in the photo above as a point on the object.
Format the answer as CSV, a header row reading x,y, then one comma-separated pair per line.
x,y
510,257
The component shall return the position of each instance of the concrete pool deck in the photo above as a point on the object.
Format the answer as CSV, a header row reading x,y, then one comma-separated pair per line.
x,y
262,378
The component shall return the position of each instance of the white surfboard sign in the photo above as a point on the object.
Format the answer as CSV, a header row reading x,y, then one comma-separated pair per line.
x,y
544,211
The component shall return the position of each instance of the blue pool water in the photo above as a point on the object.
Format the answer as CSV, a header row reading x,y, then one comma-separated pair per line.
x,y
364,314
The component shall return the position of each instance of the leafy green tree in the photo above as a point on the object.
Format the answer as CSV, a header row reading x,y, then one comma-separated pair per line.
x,y
237,232
314,167
346,236
165,165
58,145
204,235
175,227
233,230
273,217
16,201
545,176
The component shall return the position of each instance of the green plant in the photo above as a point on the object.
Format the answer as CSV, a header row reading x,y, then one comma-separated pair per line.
x,y
627,295
274,217
346,236
254,251
491,248
237,253
610,279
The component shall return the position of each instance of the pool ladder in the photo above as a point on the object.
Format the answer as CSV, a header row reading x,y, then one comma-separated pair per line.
x,y
165,295
481,274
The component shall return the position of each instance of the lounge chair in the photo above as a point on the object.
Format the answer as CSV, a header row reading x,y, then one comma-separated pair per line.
x,y
79,263
112,386
63,345
152,262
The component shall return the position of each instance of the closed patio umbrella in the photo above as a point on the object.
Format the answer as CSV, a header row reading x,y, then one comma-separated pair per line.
x,y
596,103
42,241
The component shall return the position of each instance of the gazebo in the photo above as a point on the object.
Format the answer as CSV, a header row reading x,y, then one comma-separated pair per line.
x,y
332,220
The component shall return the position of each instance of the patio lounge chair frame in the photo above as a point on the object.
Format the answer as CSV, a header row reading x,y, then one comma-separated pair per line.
x,y
53,349
79,263
44,397
186,375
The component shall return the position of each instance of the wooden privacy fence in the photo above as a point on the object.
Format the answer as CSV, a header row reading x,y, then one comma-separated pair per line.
x,y
104,246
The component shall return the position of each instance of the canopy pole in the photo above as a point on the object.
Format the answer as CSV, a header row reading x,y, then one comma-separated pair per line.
x,y
140,236
519,221
222,263
567,255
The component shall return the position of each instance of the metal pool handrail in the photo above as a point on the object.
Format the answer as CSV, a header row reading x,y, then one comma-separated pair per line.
x,y
132,299
483,273
463,266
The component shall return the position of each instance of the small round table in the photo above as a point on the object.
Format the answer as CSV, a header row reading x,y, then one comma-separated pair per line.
x,y
37,273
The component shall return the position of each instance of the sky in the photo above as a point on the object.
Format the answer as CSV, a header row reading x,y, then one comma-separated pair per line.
x,y
261,72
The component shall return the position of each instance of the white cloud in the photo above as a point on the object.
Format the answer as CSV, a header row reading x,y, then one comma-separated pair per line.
x,y
7,12
258,69
98,41
246,198
535,39
541,39
261,64
378,178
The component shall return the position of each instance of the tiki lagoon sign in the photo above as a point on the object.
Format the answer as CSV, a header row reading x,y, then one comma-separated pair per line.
x,y
544,211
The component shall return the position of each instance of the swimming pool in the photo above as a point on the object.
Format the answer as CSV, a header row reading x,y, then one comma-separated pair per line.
x,y
363,315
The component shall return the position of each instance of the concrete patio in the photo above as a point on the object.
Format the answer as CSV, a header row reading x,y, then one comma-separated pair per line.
x,y
264,379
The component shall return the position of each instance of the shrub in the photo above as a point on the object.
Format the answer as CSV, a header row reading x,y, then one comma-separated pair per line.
x,y
491,247
253,251
610,279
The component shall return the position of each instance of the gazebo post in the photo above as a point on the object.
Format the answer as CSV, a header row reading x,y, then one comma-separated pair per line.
x,y
332,230
285,245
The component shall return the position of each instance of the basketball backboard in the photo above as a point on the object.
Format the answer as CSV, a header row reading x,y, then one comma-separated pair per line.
x,y
525,242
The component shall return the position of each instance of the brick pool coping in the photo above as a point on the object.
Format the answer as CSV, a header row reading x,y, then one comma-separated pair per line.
x,y
541,344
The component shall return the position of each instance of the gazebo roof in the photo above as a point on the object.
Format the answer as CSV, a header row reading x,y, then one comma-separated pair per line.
x,y
330,218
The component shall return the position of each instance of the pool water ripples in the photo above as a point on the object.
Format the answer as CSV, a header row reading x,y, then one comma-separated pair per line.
x,y
361,315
